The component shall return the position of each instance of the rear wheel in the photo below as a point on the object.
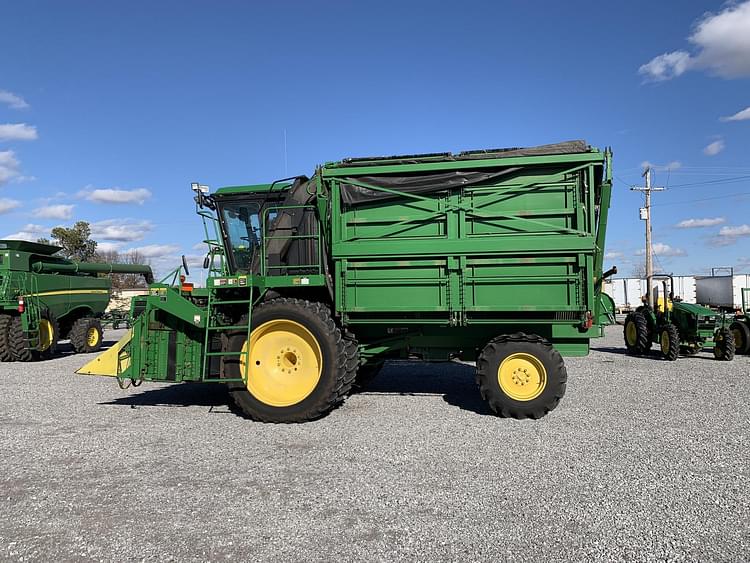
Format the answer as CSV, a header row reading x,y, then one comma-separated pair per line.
x,y
724,345
521,376
637,340
86,335
301,366
741,333
5,351
669,341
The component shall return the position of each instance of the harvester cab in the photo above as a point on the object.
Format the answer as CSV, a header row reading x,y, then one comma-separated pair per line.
x,y
677,327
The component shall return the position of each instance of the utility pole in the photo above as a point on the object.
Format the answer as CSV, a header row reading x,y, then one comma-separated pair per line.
x,y
646,216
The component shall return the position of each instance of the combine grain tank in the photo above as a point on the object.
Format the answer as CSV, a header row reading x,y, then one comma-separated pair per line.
x,y
45,298
493,257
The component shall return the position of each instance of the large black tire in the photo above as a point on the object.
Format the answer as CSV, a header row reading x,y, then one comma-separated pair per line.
x,y
339,355
19,344
637,340
6,355
741,333
505,359
669,340
86,335
724,345
366,373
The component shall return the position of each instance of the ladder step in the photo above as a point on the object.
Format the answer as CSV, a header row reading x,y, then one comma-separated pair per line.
x,y
227,327
240,353
230,302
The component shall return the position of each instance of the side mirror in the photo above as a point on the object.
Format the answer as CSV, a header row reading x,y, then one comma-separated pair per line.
x,y
185,266
207,261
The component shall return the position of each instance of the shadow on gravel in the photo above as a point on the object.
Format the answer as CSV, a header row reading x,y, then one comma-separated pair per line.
x,y
177,395
455,383
610,349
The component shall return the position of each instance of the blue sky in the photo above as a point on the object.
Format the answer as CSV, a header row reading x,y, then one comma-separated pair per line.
x,y
108,110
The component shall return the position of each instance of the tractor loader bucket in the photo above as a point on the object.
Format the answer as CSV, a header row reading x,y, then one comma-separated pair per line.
x,y
112,362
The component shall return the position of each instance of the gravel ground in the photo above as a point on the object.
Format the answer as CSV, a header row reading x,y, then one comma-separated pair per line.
x,y
644,459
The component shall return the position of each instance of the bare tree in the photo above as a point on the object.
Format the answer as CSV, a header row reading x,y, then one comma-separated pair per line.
x,y
124,281
639,270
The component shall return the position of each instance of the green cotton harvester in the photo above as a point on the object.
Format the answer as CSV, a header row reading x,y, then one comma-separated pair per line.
x,y
492,256
45,298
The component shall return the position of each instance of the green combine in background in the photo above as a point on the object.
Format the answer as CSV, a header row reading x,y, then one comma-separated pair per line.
x,y
45,298
493,257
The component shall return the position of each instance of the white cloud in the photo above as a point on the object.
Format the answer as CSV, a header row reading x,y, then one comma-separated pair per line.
x,y
200,246
117,195
739,231
122,230
612,255
666,66
155,250
54,212
9,166
739,116
729,235
668,167
7,205
661,249
17,132
712,149
108,246
12,100
722,47
30,232
698,223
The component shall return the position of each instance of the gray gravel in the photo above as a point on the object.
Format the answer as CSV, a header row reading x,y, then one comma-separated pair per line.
x,y
643,459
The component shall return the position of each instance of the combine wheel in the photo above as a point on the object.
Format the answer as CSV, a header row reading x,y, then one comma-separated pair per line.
x,y
741,333
5,350
521,376
637,340
301,365
86,335
669,340
724,345
48,335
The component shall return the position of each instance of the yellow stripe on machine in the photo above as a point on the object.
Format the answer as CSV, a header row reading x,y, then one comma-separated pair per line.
x,y
69,292
109,362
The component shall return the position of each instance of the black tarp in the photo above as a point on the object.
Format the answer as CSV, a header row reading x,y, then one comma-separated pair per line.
x,y
352,194
417,183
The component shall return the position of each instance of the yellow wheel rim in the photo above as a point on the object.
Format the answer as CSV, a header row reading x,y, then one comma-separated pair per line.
x,y
285,363
522,376
92,336
738,342
665,342
46,335
631,334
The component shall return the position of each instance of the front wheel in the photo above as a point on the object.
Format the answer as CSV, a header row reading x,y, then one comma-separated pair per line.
x,y
521,376
6,355
297,363
724,345
48,332
669,339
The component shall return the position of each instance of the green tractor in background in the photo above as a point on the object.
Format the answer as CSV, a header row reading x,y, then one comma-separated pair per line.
x,y
677,328
740,327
